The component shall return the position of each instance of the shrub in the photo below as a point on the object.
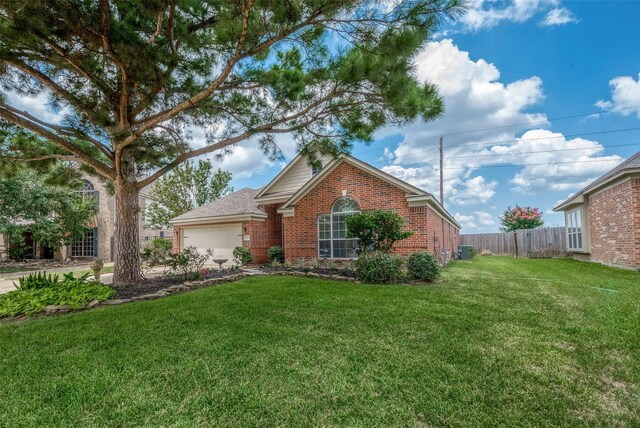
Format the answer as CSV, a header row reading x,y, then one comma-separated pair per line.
x,y
379,268
376,230
36,281
188,262
242,256
423,266
276,254
71,291
156,252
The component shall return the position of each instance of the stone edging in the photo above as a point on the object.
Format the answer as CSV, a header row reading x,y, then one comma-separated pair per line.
x,y
185,286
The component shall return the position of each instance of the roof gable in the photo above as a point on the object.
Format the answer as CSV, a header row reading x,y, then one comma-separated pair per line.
x,y
632,164
291,178
237,203
410,189
414,194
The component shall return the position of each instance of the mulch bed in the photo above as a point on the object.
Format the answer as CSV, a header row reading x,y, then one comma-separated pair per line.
x,y
153,285
319,271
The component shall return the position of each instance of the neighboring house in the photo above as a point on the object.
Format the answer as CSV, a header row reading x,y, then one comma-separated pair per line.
x,y
304,210
602,221
99,241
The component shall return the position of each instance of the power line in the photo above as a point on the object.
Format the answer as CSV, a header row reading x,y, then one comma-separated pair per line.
x,y
488,143
515,153
515,166
434,139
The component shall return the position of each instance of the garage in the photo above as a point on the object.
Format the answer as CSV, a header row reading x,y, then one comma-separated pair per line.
x,y
221,238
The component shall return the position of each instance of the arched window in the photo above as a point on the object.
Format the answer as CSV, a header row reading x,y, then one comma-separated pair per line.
x,y
332,231
87,190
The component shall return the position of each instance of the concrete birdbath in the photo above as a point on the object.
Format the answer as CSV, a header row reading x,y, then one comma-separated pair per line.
x,y
220,262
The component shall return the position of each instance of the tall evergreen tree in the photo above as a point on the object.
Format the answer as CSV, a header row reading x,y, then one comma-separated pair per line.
x,y
187,187
133,78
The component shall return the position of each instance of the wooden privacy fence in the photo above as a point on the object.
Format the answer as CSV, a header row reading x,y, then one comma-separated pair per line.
x,y
541,242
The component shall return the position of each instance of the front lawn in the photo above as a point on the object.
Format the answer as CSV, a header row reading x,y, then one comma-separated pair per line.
x,y
10,269
500,342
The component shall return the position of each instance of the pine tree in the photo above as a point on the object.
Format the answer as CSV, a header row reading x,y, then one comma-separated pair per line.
x,y
135,77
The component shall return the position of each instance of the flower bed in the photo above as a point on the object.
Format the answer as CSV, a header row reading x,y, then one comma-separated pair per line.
x,y
98,294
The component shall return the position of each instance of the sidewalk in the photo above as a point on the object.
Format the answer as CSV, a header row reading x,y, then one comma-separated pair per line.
x,y
7,280
70,268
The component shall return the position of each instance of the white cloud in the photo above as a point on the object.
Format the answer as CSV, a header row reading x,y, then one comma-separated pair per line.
x,y
477,221
558,16
476,99
245,159
558,164
625,96
38,106
486,14
474,190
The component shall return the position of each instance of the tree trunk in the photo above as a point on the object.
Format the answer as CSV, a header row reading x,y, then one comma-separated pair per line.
x,y
127,235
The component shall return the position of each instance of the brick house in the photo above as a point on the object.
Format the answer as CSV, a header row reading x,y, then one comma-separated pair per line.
x,y
97,242
602,221
303,209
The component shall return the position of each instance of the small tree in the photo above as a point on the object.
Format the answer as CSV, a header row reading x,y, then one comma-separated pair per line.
x,y
377,230
54,215
520,218
187,187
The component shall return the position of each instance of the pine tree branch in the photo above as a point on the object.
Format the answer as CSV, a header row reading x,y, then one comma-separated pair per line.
x,y
168,114
105,18
155,35
70,158
77,66
25,120
269,128
63,130
53,86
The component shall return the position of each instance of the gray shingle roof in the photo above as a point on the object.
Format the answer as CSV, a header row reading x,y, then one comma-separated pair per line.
x,y
631,163
241,202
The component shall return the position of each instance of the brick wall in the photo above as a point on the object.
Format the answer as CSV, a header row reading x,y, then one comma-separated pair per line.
x,y
264,234
431,232
176,239
614,222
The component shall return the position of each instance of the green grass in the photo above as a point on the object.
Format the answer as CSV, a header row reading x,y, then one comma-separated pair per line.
x,y
10,269
500,342
77,272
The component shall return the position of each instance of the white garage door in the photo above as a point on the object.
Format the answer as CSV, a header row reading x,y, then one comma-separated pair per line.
x,y
222,239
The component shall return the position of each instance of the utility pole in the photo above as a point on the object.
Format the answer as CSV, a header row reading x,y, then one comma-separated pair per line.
x,y
441,174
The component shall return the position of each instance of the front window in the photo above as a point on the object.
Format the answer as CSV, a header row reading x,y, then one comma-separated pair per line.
x,y
332,231
87,191
574,229
85,246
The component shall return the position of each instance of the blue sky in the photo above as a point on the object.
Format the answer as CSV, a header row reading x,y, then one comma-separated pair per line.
x,y
505,63
510,73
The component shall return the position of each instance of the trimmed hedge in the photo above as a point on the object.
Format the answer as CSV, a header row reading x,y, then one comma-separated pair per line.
x,y
423,266
379,268
276,254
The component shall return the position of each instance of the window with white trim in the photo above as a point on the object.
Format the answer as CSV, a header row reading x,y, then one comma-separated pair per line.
x,y
87,191
573,220
332,231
